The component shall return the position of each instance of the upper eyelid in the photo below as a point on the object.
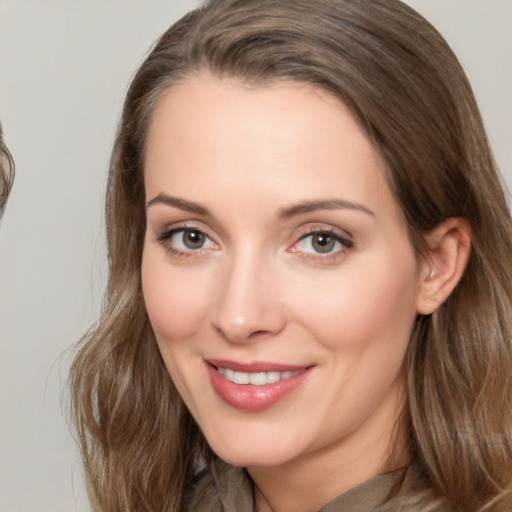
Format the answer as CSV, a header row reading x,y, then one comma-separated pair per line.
x,y
346,242
343,234
183,226
163,224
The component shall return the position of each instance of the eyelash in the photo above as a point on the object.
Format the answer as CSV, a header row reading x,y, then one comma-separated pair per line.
x,y
164,238
346,244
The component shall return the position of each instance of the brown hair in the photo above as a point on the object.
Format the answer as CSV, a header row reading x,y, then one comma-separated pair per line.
x,y
6,172
405,86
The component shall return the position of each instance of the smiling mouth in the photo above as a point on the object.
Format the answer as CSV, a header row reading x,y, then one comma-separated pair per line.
x,y
253,387
257,378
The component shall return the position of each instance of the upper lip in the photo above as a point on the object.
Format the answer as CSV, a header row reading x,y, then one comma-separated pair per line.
x,y
256,366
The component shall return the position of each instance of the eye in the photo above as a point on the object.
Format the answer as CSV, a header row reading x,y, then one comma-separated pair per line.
x,y
323,244
185,241
190,239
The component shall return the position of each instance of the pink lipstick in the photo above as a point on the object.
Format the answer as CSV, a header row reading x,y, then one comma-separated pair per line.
x,y
255,386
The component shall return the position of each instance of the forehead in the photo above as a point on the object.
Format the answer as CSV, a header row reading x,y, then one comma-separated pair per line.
x,y
282,141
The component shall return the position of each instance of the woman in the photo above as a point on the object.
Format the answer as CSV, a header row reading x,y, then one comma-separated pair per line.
x,y
309,302
6,173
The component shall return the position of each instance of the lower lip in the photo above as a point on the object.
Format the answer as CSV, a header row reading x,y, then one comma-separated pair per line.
x,y
248,397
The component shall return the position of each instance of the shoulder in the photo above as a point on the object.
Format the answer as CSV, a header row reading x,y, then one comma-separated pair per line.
x,y
221,488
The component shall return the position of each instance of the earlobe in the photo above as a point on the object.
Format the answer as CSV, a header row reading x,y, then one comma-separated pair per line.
x,y
449,246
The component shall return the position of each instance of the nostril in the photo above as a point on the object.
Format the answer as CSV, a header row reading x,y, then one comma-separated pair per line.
x,y
237,335
257,334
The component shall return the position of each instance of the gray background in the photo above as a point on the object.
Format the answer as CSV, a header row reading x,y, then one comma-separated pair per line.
x,y
64,68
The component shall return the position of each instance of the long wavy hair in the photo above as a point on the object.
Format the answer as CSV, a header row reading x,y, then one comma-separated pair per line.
x,y
6,172
404,85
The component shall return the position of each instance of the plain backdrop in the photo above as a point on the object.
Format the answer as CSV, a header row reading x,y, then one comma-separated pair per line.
x,y
64,69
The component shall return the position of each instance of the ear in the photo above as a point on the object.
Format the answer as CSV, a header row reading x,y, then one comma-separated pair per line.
x,y
448,246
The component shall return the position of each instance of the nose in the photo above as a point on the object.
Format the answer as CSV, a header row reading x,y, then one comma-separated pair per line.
x,y
248,301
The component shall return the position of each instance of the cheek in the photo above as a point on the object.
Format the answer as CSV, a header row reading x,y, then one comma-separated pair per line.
x,y
176,305
368,306
176,308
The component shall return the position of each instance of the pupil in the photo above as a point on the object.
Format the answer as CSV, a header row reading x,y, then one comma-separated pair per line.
x,y
193,239
323,243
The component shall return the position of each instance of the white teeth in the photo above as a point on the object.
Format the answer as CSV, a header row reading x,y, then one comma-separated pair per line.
x,y
241,378
273,377
257,378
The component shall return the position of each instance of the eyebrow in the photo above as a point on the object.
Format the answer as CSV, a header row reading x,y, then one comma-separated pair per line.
x,y
177,202
322,204
283,213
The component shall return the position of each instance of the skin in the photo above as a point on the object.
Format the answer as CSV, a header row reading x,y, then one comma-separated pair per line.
x,y
257,289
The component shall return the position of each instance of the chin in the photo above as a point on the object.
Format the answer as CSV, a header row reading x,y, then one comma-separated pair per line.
x,y
250,451
253,458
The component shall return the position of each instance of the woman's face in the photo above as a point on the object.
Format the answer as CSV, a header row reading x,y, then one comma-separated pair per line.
x,y
277,271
